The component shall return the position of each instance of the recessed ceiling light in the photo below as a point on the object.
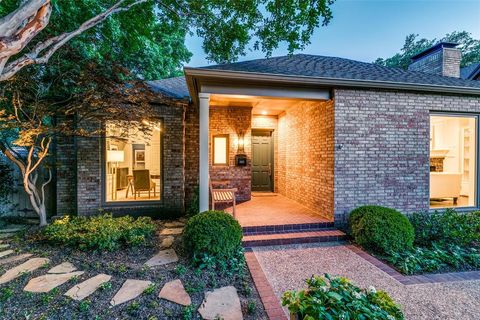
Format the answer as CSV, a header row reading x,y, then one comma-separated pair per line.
x,y
264,112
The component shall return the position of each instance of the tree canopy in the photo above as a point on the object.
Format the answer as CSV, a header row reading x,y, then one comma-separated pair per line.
x,y
413,45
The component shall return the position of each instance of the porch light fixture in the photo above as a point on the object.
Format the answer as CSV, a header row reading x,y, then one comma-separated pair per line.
x,y
241,143
264,112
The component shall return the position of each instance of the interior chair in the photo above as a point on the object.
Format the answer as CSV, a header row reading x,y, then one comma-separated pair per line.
x,y
143,183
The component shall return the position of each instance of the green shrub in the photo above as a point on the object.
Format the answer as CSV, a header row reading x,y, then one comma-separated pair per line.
x,y
100,232
337,298
437,257
213,235
447,227
381,229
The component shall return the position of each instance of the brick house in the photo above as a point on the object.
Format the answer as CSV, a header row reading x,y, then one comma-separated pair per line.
x,y
328,133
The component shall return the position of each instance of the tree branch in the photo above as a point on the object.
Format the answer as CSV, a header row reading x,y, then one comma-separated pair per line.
x,y
42,52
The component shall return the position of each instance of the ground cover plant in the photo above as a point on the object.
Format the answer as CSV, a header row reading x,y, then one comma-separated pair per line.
x,y
126,262
103,232
443,242
337,298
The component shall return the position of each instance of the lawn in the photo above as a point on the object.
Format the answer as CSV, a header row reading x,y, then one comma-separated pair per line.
x,y
126,261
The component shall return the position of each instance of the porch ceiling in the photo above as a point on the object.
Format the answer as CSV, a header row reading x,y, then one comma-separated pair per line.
x,y
260,105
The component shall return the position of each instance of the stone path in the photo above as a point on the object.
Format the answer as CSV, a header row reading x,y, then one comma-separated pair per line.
x,y
64,267
171,231
5,253
15,258
27,266
130,289
162,258
48,282
175,292
222,303
287,267
87,287
4,246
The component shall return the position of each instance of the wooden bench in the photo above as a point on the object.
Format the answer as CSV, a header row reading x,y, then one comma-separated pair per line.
x,y
223,195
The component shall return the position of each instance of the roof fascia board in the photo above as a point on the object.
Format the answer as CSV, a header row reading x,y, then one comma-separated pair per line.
x,y
193,74
267,91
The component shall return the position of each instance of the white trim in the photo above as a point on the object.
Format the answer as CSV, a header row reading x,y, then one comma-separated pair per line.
x,y
204,106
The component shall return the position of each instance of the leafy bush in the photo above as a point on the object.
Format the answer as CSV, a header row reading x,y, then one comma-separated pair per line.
x,y
447,227
337,298
213,235
381,229
438,257
100,232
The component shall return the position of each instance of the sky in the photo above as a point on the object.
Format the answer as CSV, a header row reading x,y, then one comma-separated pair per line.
x,y
367,29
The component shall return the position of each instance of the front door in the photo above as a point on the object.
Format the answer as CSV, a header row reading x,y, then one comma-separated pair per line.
x,y
262,161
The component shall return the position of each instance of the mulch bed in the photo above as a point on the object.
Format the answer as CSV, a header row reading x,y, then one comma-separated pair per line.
x,y
126,263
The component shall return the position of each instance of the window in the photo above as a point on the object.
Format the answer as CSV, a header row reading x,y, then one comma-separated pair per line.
x,y
453,161
220,149
132,162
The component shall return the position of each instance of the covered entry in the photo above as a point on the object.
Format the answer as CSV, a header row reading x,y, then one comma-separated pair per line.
x,y
271,139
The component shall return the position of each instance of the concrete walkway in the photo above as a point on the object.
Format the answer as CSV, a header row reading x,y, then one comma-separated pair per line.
x,y
286,268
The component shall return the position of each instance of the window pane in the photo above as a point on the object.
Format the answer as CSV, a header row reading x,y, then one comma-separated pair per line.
x,y
132,162
452,161
220,147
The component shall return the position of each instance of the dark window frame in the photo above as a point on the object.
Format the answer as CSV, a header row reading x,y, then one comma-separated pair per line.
x,y
103,173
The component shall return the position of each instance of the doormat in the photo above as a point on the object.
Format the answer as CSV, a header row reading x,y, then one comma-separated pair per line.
x,y
263,194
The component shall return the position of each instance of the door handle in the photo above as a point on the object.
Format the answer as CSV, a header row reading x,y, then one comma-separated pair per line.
x,y
269,169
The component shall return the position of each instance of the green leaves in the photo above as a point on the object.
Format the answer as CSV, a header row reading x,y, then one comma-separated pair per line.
x,y
412,46
337,298
100,232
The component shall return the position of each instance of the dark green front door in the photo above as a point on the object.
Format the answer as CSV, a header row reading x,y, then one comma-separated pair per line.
x,y
262,162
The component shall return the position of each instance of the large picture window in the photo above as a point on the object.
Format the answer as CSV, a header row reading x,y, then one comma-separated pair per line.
x,y
132,156
453,161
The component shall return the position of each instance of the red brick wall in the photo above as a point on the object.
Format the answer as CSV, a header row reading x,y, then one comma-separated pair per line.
x,y
232,121
306,155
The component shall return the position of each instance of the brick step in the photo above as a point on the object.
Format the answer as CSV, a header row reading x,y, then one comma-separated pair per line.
x,y
293,238
284,228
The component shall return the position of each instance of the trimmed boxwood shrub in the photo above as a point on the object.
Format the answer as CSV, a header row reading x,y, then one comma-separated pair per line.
x,y
381,229
100,232
447,227
337,298
213,233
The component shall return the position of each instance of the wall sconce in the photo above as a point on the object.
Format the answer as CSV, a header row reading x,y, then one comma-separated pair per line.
x,y
241,143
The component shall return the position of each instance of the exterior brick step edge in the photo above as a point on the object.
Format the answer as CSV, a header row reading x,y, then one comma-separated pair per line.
x,y
293,238
283,228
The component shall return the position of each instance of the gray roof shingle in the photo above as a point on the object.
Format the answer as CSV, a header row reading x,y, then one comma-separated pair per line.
x,y
340,68
171,87
470,71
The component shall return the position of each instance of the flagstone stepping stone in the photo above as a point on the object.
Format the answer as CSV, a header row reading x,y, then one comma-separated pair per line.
x,y
27,266
48,282
130,289
171,231
162,258
4,246
64,267
5,253
174,224
15,258
167,242
87,287
221,303
175,292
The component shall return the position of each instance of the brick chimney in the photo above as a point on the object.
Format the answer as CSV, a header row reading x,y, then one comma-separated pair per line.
x,y
441,59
